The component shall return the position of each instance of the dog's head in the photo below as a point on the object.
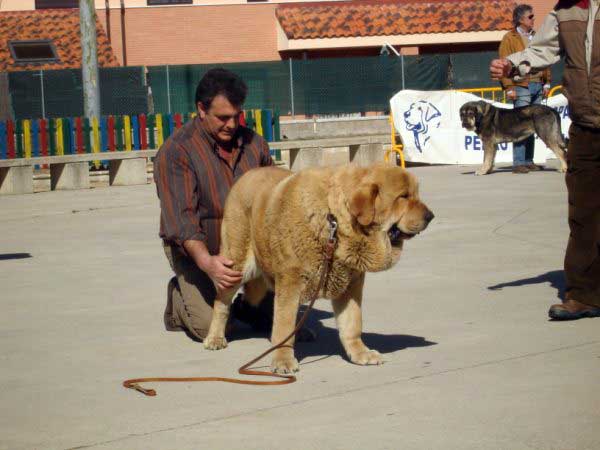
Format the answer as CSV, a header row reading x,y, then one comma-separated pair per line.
x,y
471,114
385,205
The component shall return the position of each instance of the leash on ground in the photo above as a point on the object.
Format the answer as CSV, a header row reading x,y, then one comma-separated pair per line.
x,y
324,269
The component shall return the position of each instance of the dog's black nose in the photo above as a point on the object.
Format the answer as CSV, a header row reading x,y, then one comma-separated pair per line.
x,y
429,216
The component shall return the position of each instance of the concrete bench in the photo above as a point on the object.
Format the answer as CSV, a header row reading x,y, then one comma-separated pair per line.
x,y
129,168
72,171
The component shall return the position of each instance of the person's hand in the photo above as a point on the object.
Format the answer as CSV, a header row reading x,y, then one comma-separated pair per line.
x,y
511,94
545,91
500,68
218,268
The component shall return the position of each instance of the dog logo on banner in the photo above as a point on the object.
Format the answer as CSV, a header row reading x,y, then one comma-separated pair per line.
x,y
420,117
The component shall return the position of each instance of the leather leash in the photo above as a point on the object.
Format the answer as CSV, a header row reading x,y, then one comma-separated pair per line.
x,y
244,370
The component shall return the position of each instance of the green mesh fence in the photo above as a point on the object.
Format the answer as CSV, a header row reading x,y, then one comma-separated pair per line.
x,y
59,93
317,86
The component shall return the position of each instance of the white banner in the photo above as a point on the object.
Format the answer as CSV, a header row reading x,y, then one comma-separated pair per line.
x,y
429,124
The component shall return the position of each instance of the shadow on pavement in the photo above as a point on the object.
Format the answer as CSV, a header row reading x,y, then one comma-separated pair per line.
x,y
328,342
556,279
7,256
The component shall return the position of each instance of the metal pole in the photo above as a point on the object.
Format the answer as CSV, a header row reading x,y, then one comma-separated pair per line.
x,y
43,97
292,86
89,58
168,91
107,13
402,65
123,39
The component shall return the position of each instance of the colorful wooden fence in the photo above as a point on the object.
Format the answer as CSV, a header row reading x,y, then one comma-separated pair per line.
x,y
63,136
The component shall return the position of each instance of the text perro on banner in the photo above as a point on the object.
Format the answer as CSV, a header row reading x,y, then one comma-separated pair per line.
x,y
429,124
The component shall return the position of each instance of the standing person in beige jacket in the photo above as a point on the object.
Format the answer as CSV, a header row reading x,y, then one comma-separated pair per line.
x,y
572,30
522,91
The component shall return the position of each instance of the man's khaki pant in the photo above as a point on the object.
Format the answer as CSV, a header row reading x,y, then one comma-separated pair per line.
x,y
582,259
190,296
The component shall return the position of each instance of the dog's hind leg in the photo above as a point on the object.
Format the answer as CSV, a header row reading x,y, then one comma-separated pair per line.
x,y
555,141
489,155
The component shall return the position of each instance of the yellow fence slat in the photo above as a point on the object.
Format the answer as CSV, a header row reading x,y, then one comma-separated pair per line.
x,y
159,130
96,139
27,138
60,147
258,120
127,132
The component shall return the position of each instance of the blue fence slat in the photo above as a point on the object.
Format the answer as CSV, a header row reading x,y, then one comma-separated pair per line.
x,y
3,144
135,126
268,125
35,137
171,124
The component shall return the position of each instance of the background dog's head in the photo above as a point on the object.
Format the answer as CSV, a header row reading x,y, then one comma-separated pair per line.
x,y
471,114
385,202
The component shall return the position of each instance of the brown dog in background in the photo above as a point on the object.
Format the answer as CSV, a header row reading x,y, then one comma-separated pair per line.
x,y
495,125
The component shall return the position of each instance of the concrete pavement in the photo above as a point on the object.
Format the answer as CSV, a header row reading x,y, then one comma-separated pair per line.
x,y
472,360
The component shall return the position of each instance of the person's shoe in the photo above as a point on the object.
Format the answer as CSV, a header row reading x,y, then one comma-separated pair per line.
x,y
520,169
533,167
260,317
572,310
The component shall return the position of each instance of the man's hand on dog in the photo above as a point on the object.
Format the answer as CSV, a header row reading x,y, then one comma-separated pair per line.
x,y
500,68
218,268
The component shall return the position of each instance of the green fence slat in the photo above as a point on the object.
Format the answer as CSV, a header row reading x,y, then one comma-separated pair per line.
x,y
276,126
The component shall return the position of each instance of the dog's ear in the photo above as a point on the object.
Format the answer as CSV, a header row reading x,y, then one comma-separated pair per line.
x,y
362,203
483,107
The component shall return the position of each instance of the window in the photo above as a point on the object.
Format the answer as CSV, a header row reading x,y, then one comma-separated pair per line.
x,y
51,4
25,52
169,2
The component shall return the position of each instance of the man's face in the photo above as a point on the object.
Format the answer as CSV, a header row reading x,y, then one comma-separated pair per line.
x,y
221,118
527,20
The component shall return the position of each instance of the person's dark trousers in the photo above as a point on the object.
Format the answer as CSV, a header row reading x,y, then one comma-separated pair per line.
x,y
582,258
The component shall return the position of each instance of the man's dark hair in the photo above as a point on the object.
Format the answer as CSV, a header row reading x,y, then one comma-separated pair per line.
x,y
221,82
519,12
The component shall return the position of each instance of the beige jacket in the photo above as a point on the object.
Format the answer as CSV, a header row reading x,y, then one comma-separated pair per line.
x,y
563,32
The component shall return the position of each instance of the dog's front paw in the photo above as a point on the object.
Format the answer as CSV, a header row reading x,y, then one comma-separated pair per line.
x,y
215,342
285,365
367,358
482,171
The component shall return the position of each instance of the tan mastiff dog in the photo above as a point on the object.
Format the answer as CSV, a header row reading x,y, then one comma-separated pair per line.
x,y
275,229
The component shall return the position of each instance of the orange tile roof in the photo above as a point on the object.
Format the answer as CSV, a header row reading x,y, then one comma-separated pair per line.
x,y
61,26
360,18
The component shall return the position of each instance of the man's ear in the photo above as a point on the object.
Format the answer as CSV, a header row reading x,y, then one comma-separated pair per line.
x,y
362,203
201,110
